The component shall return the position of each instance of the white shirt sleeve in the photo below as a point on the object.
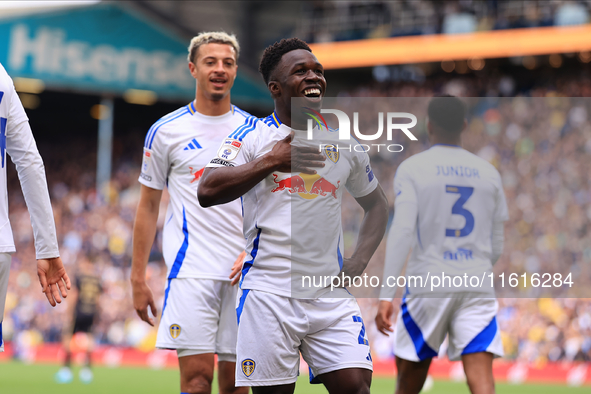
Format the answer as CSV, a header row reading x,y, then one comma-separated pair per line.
x,y
21,147
361,180
400,235
155,162
240,147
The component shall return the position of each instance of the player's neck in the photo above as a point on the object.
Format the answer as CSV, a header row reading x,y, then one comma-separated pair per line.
x,y
284,115
446,141
212,107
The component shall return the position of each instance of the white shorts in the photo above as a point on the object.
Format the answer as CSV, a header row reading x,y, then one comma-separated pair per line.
x,y
273,330
4,273
198,317
423,323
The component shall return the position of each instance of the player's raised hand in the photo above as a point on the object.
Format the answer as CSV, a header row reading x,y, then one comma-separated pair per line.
x,y
237,268
54,279
384,317
142,299
297,158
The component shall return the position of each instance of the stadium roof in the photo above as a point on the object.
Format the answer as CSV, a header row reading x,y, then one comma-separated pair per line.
x,y
106,48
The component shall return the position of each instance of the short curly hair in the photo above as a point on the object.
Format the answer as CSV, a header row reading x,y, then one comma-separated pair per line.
x,y
273,53
216,37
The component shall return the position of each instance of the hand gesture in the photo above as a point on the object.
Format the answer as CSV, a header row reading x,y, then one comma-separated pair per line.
x,y
384,317
142,298
237,268
296,158
53,278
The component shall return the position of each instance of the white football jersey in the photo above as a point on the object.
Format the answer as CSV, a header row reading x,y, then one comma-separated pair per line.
x,y
292,221
459,195
17,140
197,242
13,111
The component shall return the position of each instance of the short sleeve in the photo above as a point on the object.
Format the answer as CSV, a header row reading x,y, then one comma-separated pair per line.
x,y
501,210
404,189
362,180
155,161
240,146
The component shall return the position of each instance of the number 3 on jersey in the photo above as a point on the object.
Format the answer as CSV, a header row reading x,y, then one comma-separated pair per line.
x,y
458,209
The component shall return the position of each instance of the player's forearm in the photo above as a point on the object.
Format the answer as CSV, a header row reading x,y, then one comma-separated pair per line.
x,y
31,172
144,232
498,241
220,185
373,225
398,245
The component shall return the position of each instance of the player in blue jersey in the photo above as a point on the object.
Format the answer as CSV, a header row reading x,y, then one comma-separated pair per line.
x,y
199,245
450,209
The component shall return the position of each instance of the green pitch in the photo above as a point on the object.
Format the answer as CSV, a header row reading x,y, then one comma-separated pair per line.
x,y
18,378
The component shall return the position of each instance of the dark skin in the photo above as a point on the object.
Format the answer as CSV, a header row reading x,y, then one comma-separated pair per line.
x,y
298,71
411,374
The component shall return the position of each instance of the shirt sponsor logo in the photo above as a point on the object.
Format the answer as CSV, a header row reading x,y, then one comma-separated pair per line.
x,y
196,174
222,162
146,177
306,186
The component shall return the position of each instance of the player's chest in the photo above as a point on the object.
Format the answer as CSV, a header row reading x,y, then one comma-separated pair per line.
x,y
328,182
192,152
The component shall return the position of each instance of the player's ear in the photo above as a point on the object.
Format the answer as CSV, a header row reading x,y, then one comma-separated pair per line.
x,y
274,88
465,125
193,69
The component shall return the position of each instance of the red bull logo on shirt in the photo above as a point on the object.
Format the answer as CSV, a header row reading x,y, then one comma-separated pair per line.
x,y
196,174
306,186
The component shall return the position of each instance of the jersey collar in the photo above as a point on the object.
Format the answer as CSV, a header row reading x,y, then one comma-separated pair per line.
x,y
450,145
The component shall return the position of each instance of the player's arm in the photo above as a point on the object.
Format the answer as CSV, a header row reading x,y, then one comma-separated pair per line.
x,y
220,185
398,245
371,233
498,240
501,214
144,232
21,147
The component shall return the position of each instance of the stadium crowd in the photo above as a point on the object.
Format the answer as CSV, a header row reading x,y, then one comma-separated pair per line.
x,y
352,20
541,145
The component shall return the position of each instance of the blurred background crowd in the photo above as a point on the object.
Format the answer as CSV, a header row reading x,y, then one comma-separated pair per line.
x,y
353,20
532,121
